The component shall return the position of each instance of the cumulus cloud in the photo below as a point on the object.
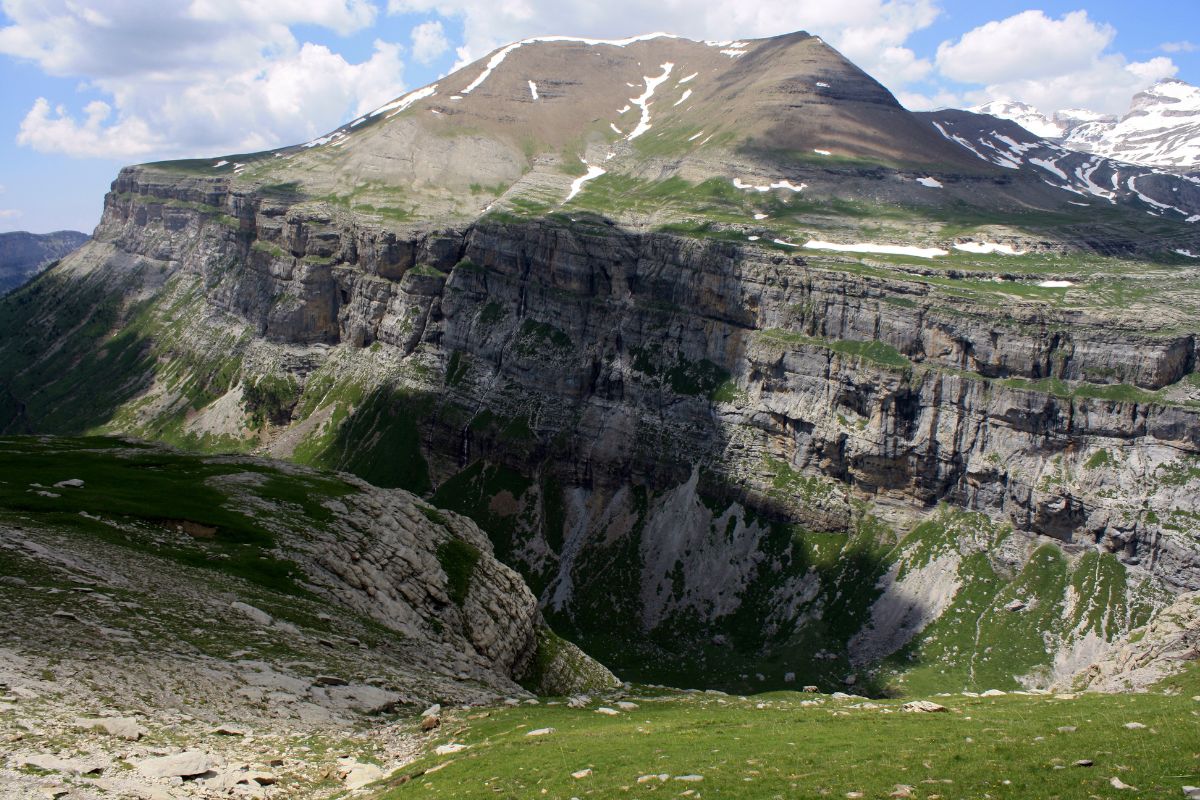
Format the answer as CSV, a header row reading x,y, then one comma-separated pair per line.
x,y
872,33
209,76
429,41
9,213
1049,63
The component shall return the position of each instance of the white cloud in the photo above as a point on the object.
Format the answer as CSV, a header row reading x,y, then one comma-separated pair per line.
x,y
1026,45
9,213
872,33
429,41
1179,47
206,78
1049,63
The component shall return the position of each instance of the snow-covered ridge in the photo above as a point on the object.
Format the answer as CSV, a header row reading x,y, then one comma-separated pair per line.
x,y
1161,128
498,57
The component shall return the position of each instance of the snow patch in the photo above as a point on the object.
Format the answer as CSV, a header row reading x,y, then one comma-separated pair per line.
x,y
932,183
697,136
886,249
533,90
1188,253
685,96
682,81
577,184
822,152
785,244
760,216
1049,166
987,248
220,163
616,130
822,85
784,184
1055,284
624,108
404,102
643,101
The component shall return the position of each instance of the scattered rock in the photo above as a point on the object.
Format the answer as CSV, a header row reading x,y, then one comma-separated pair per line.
x,y
789,677
67,766
1191,792
662,777
689,778
1117,783
331,680
1067,729
448,749
625,705
1135,726
810,689
542,732
610,712
923,706
902,790
355,775
583,773
579,701
187,764
993,693
255,615
230,730
122,727
1084,762
1014,605
71,483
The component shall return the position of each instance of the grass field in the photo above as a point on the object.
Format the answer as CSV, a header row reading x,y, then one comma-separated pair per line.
x,y
794,745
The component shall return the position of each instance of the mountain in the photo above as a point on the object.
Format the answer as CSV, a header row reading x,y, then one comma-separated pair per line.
x,y
23,255
756,378
1095,179
1161,128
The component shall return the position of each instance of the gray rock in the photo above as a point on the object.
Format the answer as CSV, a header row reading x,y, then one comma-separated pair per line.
x,y
179,765
122,727
255,615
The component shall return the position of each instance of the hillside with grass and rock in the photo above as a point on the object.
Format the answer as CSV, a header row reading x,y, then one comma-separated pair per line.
x,y
725,367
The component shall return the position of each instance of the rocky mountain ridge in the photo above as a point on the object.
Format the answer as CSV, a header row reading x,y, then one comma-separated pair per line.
x,y
795,399
23,255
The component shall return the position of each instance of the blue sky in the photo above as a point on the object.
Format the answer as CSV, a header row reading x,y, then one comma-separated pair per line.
x,y
89,85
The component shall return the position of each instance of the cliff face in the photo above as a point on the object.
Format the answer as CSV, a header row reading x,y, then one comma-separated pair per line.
x,y
712,447
744,409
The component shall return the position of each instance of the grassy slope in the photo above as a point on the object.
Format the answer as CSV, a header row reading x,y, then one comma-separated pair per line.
x,y
151,492
772,746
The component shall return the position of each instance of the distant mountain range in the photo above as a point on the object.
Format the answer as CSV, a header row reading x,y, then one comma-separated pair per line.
x,y
1161,128
23,254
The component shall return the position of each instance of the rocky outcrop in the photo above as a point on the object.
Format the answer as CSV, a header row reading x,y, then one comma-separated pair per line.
x,y
1166,646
